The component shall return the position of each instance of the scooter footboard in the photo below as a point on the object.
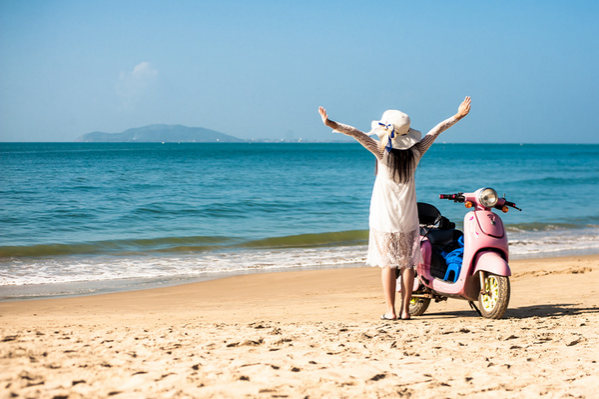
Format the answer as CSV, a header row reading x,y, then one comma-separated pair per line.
x,y
491,262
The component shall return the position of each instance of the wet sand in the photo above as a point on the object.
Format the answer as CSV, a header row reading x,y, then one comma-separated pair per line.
x,y
314,334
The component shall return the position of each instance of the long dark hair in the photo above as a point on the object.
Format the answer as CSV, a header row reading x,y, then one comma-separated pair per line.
x,y
401,163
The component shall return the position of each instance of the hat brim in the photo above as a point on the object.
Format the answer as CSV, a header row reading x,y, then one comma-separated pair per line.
x,y
400,142
407,140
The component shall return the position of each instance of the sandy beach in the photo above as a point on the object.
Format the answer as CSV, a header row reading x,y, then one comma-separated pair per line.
x,y
307,334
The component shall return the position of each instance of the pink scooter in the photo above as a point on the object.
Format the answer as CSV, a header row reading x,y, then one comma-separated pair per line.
x,y
470,265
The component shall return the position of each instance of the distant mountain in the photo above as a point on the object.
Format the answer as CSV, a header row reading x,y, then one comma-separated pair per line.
x,y
160,133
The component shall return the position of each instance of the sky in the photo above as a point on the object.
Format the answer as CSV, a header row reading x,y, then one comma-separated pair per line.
x,y
260,69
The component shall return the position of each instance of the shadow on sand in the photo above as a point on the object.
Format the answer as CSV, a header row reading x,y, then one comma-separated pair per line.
x,y
561,309
525,312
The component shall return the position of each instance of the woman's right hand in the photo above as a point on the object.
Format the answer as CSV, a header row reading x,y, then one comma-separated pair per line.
x,y
464,108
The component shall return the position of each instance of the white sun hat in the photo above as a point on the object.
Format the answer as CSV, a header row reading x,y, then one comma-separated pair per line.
x,y
394,130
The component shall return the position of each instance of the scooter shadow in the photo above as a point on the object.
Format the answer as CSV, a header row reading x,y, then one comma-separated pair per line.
x,y
562,309
524,312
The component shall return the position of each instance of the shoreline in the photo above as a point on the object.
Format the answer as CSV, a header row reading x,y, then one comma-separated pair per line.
x,y
306,334
106,287
263,286
12,293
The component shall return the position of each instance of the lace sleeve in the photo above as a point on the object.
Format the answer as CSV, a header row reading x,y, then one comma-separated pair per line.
x,y
430,137
368,142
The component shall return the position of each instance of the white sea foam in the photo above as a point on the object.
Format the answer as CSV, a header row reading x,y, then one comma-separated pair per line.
x,y
554,243
99,268
29,277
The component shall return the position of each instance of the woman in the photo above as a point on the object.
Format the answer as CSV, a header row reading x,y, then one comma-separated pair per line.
x,y
394,232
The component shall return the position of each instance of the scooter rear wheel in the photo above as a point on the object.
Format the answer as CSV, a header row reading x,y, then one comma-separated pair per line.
x,y
418,306
494,302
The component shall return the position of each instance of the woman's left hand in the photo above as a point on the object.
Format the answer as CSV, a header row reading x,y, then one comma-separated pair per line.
x,y
323,115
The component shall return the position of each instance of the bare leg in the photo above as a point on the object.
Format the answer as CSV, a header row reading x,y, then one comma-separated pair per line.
x,y
389,284
407,284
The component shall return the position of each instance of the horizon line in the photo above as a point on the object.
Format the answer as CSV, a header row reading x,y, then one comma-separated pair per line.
x,y
267,141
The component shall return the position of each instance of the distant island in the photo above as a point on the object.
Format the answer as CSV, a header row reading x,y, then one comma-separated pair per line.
x,y
160,133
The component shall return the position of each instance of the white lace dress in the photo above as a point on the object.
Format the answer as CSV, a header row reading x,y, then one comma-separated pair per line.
x,y
394,233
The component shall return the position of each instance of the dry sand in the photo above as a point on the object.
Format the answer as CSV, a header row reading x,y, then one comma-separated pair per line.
x,y
308,334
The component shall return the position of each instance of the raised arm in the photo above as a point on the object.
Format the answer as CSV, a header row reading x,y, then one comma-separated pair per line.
x,y
368,142
430,137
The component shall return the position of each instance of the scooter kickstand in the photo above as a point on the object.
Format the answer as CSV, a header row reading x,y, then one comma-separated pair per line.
x,y
473,306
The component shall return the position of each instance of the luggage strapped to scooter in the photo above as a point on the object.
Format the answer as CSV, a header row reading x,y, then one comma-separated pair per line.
x,y
444,239
429,217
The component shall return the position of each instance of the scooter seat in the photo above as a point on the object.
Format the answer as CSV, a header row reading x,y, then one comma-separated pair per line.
x,y
443,238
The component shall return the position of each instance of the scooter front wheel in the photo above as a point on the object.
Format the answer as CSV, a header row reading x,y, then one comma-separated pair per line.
x,y
494,297
418,306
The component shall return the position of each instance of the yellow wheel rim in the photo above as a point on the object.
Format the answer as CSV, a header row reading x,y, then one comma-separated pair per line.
x,y
489,300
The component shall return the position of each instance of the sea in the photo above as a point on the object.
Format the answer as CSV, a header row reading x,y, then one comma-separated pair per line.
x,y
90,218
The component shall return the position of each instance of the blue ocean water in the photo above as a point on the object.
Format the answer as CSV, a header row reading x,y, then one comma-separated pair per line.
x,y
80,218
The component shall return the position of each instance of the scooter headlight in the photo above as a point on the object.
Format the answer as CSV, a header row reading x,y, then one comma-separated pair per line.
x,y
487,197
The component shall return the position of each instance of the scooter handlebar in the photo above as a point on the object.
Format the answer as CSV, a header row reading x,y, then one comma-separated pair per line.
x,y
459,197
513,205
